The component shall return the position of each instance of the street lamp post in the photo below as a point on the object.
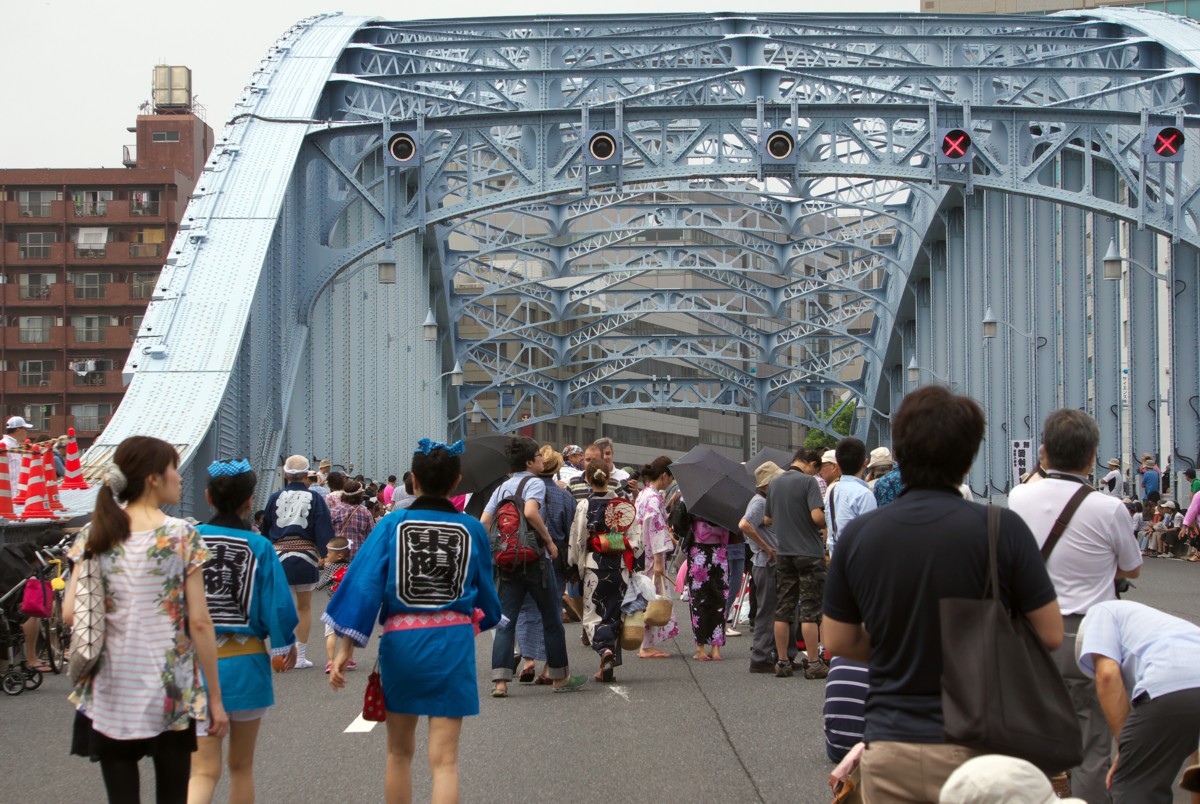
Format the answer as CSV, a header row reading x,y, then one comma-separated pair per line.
x,y
914,373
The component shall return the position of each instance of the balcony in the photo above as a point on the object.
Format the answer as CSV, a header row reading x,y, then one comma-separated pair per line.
x,y
108,380
34,295
118,253
17,254
91,425
41,212
50,382
143,251
112,294
56,338
111,337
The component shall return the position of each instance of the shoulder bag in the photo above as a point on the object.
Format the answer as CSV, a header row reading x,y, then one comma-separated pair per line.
x,y
1001,691
87,634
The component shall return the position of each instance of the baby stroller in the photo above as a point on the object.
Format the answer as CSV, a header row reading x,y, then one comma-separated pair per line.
x,y
18,562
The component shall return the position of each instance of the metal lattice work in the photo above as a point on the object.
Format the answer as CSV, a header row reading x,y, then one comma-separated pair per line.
x,y
684,261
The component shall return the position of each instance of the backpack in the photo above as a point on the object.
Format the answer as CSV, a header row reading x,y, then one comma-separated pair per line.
x,y
513,541
608,520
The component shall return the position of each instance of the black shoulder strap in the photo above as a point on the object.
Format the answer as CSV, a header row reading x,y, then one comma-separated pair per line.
x,y
832,513
1064,519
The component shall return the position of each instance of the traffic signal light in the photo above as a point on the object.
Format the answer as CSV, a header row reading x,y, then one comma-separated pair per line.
x,y
401,149
778,148
1164,144
954,147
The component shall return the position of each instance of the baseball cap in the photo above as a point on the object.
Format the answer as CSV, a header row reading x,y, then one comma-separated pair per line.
x,y
993,777
16,422
765,473
830,456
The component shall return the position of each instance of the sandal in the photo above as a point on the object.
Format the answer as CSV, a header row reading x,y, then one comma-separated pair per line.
x,y
527,675
658,654
543,681
499,693
608,663
41,667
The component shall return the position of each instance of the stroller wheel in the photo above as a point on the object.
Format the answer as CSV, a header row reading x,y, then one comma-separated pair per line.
x,y
14,682
33,679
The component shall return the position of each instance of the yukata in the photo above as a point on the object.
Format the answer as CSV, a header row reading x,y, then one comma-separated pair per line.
x,y
147,682
296,520
605,577
425,573
656,539
249,602
708,582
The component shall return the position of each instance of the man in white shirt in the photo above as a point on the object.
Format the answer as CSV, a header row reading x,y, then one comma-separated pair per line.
x,y
572,464
16,431
851,496
618,476
1113,484
1148,682
1095,549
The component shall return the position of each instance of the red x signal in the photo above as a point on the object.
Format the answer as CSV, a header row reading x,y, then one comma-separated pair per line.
x,y
955,143
1168,142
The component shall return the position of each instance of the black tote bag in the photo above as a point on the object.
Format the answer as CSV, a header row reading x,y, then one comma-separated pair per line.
x,y
1001,691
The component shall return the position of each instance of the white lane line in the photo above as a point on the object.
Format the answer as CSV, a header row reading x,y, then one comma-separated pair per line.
x,y
360,726
619,691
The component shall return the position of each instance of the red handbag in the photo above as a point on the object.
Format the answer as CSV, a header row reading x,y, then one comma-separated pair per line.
x,y
373,708
36,600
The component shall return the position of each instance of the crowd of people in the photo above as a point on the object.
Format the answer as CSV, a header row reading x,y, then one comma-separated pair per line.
x,y
850,554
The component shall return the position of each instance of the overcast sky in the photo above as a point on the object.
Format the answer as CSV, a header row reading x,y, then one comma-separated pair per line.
x,y
75,71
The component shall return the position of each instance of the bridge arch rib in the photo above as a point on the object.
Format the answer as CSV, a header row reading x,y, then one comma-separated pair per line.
x,y
692,272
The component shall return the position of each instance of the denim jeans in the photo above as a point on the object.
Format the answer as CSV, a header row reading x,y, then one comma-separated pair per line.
x,y
536,581
737,568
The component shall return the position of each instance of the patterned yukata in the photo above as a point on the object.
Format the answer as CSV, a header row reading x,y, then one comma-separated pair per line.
x,y
249,602
708,582
605,578
652,518
425,573
148,681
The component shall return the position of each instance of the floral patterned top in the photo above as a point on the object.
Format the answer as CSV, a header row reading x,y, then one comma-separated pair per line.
x,y
147,681
653,518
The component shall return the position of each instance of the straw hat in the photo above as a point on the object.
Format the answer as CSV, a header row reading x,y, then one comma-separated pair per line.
x,y
765,473
880,456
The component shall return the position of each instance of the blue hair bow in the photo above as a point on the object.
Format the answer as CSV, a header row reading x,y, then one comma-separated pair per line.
x,y
229,468
427,446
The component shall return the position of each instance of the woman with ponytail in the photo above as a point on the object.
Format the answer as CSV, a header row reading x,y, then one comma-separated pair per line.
x,y
249,601
146,695
652,516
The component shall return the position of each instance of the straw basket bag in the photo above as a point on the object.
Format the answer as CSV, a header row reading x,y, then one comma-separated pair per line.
x,y
633,631
659,612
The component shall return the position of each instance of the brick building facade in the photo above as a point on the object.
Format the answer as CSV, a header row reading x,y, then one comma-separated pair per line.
x,y
82,251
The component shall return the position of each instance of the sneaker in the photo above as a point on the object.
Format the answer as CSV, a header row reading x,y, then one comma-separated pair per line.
x,y
783,670
731,632
572,684
817,669
302,663
762,667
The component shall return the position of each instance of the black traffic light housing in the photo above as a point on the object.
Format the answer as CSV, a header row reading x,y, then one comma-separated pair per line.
x,y
401,147
953,146
778,147
602,148
1164,143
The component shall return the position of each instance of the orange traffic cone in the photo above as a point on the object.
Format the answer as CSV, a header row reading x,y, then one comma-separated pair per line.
x,y
35,507
23,478
74,469
52,501
6,503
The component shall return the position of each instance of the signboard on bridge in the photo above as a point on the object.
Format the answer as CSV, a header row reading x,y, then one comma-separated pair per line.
x,y
1022,459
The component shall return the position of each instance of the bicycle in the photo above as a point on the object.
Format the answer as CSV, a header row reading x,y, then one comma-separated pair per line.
x,y
54,637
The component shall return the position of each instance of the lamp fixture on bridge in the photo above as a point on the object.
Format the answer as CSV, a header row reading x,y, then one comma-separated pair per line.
x,y
455,374
989,323
1112,261
914,371
431,328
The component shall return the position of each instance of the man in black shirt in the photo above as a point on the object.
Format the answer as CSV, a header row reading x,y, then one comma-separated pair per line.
x,y
891,569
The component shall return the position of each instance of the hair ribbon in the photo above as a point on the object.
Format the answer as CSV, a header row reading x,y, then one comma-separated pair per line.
x,y
426,446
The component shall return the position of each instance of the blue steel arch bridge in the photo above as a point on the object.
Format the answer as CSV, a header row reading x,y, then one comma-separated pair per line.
x,y
409,224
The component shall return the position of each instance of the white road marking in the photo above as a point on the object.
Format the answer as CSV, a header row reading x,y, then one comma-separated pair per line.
x,y
619,691
360,726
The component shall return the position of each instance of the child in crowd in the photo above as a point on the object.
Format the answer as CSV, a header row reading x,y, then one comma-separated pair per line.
x,y
336,563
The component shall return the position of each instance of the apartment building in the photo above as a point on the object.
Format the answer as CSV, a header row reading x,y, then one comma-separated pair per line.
x,y
82,251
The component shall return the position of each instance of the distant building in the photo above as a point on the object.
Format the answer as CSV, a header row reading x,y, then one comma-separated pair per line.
x,y
82,251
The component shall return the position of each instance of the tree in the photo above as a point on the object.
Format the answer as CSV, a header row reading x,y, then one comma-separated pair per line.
x,y
823,439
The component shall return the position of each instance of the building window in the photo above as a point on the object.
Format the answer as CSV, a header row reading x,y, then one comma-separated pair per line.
x,y
39,416
165,136
654,439
141,286
135,324
89,328
90,242
91,286
34,373
91,203
36,203
144,203
147,241
89,371
91,417
34,328
34,286
35,245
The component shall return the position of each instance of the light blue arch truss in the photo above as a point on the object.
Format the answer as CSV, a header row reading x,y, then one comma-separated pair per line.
x,y
691,273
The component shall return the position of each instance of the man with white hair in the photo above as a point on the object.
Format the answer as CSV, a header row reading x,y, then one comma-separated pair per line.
x,y
297,520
